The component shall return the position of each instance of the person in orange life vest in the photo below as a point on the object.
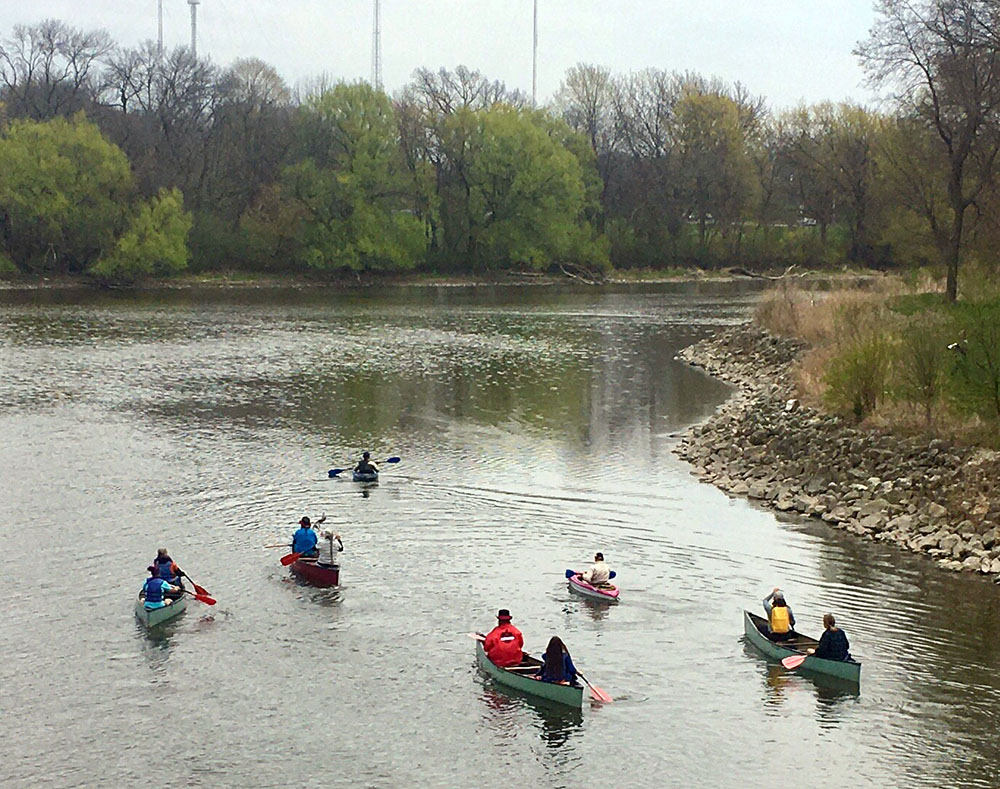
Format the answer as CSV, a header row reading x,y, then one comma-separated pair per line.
x,y
504,643
780,619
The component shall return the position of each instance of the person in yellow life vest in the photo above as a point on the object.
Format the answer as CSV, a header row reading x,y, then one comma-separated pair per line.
x,y
780,619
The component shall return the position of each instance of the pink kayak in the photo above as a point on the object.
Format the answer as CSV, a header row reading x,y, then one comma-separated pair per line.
x,y
606,592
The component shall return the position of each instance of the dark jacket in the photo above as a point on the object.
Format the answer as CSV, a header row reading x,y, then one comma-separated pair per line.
x,y
833,645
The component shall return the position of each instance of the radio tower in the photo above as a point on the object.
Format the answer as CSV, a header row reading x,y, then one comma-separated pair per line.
x,y
534,57
377,47
194,26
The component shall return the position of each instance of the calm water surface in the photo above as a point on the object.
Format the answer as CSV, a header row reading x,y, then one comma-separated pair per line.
x,y
535,427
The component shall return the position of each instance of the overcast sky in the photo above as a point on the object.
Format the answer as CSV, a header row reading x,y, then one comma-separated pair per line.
x,y
786,50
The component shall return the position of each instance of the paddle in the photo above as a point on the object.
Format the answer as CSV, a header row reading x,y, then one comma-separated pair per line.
x,y
277,545
201,598
794,661
292,557
199,589
335,471
599,694
476,636
571,573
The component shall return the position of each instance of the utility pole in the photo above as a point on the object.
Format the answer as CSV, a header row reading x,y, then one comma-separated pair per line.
x,y
159,29
534,58
194,26
377,46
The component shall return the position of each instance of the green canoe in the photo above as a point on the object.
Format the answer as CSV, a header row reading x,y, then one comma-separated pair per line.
x,y
755,628
570,695
159,615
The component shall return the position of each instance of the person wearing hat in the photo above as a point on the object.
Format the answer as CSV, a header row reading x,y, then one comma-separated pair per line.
x,y
780,619
329,549
598,573
155,590
304,539
504,644
366,465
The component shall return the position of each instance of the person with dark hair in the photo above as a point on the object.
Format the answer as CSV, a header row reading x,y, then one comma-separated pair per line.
x,y
833,644
304,539
504,644
366,465
155,590
598,573
557,665
780,619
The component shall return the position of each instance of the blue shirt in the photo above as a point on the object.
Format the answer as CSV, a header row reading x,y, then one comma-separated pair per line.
x,y
304,540
569,671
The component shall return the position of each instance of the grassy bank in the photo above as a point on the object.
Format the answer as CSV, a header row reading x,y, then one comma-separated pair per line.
x,y
895,355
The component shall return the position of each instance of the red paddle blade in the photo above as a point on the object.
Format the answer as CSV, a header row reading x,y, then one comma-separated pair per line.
x,y
599,694
199,589
793,661
204,598
287,560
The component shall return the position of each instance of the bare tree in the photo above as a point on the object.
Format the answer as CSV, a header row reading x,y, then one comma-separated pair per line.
x,y
941,61
48,69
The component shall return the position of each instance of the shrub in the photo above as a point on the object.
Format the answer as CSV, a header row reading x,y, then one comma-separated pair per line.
x,y
920,363
856,376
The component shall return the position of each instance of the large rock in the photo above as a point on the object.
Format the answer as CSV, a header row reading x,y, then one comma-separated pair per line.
x,y
875,507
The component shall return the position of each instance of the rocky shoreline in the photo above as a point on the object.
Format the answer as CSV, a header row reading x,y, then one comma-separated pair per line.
x,y
923,495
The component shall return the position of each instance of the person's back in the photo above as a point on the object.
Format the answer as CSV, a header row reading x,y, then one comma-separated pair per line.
x,y
366,465
304,539
833,644
599,573
557,665
331,547
155,591
504,644
780,619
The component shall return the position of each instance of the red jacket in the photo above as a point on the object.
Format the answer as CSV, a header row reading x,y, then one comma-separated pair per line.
x,y
503,645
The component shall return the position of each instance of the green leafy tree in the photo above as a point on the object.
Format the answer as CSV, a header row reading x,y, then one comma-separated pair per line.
x,y
348,202
64,192
154,243
525,192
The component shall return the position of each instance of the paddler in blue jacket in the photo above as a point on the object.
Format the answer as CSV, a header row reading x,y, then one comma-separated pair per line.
x,y
156,590
304,539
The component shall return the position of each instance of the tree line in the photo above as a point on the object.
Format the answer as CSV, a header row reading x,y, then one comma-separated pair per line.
x,y
122,162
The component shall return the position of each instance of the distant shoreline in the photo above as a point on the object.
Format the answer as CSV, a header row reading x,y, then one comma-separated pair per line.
x,y
238,281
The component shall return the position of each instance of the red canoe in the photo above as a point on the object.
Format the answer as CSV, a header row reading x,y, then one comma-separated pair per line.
x,y
316,574
608,592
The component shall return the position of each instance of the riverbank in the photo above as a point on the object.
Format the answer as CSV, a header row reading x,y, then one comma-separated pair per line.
x,y
243,280
926,496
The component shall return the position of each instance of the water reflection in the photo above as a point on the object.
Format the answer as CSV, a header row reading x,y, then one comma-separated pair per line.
x,y
556,723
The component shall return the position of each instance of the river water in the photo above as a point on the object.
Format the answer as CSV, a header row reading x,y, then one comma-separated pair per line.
x,y
535,426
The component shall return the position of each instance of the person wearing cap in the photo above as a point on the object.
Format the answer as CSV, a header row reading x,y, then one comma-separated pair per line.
x,y
155,590
780,619
504,644
598,573
304,539
366,465
329,548
168,570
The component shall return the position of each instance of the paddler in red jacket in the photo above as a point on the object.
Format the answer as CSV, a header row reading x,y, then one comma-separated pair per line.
x,y
504,643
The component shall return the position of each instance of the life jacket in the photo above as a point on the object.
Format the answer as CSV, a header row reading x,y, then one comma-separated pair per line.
x,y
504,645
154,590
779,619
166,569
